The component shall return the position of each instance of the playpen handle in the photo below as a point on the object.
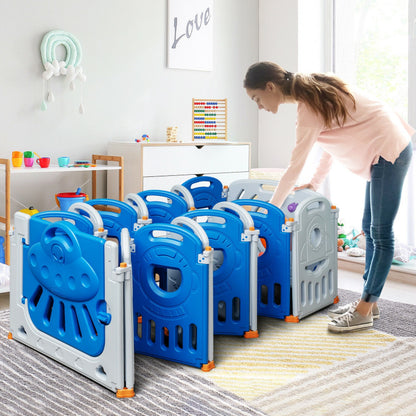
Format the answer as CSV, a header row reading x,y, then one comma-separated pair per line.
x,y
125,246
138,204
186,194
194,226
245,217
94,216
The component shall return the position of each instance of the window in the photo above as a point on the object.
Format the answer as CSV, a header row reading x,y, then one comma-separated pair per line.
x,y
370,50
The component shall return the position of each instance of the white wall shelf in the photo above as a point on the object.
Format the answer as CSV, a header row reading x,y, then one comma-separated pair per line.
x,y
36,170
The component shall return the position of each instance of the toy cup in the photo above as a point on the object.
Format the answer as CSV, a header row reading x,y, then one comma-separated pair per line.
x,y
17,159
29,161
63,161
29,158
43,162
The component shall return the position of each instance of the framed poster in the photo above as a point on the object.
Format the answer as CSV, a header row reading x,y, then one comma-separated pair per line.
x,y
190,34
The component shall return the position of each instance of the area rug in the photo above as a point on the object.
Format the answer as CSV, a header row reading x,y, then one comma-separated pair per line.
x,y
379,383
252,367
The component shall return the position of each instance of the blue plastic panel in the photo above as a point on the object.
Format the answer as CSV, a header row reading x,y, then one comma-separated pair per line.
x,y
232,276
63,271
205,196
82,223
114,222
161,211
171,324
273,270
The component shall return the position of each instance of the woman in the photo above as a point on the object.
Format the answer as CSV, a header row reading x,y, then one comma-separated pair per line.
x,y
364,135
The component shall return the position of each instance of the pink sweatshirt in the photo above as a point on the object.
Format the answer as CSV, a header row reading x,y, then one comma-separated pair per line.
x,y
373,130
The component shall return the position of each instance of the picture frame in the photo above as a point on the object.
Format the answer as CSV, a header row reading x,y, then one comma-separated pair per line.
x,y
190,34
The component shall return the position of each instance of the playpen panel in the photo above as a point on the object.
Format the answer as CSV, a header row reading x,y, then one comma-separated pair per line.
x,y
163,206
231,270
172,321
205,190
273,270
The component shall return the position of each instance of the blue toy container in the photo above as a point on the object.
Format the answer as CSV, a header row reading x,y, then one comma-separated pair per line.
x,y
2,259
64,200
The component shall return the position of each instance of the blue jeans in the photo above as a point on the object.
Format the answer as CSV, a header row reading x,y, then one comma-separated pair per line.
x,y
382,200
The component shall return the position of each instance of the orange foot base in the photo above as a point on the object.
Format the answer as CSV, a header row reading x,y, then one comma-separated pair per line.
x,y
251,334
292,318
10,335
125,393
336,299
208,367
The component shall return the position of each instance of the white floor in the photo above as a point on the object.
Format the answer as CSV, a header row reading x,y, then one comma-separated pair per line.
x,y
394,289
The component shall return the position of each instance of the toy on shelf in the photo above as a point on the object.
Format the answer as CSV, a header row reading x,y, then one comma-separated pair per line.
x,y
144,138
209,119
171,133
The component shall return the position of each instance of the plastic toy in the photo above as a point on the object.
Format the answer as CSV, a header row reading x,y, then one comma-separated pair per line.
x,y
144,138
30,211
2,259
65,199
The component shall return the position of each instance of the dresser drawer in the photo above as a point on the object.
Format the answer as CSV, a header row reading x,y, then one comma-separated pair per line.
x,y
166,182
191,160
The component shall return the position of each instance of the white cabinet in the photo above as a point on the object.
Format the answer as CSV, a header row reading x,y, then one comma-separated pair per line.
x,y
162,165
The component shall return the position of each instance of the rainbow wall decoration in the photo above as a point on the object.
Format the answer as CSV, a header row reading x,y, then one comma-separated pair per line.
x,y
209,119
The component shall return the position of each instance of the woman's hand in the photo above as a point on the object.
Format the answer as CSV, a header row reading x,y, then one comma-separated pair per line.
x,y
305,186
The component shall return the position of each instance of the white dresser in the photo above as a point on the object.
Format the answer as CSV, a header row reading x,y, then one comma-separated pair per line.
x,y
162,165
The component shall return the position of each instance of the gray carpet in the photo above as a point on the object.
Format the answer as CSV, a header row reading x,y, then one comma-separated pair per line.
x,y
32,384
396,318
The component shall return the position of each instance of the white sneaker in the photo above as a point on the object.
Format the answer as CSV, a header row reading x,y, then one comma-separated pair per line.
x,y
350,321
340,310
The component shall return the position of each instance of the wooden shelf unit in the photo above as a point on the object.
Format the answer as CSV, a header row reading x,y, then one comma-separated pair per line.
x,y
9,171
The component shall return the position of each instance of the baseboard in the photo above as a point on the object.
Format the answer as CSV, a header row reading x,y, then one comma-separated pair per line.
x,y
356,264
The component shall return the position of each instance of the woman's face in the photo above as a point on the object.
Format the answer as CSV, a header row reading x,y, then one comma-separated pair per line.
x,y
268,99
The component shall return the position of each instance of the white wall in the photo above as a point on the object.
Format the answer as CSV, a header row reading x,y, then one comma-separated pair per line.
x,y
129,90
278,42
